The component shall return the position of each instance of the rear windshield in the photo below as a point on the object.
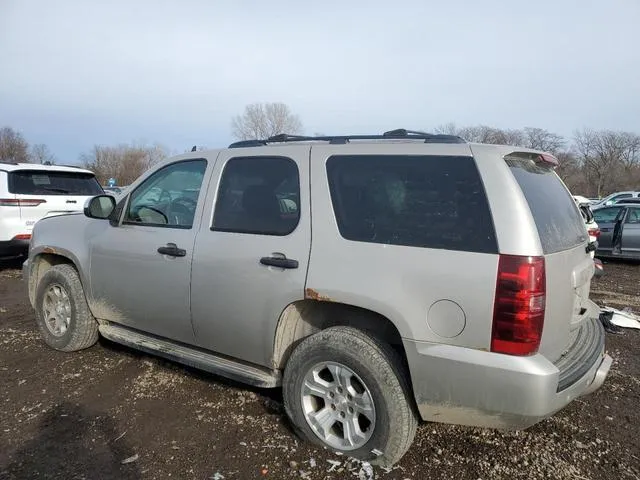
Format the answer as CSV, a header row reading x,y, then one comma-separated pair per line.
x,y
412,200
35,182
558,220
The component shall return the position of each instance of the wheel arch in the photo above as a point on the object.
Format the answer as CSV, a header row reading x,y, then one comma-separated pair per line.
x,y
306,317
40,262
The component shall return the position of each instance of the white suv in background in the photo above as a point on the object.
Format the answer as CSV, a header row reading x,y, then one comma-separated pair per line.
x,y
592,227
29,192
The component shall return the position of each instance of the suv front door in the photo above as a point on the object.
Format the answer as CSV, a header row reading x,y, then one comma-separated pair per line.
x,y
140,269
252,251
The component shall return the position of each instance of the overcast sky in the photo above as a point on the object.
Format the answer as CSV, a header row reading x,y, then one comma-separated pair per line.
x,y
74,73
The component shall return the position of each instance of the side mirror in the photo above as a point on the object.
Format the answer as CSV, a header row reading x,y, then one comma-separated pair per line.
x,y
100,207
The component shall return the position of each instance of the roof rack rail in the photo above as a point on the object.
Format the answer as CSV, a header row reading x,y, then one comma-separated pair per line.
x,y
248,143
7,162
398,133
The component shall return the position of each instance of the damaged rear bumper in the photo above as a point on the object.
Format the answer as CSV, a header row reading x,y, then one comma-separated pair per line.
x,y
477,388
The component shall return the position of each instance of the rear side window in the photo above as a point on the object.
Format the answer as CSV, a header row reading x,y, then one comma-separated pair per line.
x,y
412,200
45,182
558,220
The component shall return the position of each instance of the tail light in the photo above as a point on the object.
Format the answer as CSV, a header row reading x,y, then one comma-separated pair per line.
x,y
518,313
21,202
593,232
23,236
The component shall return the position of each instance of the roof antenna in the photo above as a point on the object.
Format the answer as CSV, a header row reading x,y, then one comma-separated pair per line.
x,y
193,149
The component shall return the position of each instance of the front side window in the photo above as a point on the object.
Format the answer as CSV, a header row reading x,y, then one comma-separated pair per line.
x,y
168,197
413,200
606,215
258,195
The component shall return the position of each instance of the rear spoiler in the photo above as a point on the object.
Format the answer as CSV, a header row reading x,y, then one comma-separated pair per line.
x,y
545,158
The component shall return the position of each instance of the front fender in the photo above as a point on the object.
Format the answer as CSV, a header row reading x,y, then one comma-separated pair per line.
x,y
64,238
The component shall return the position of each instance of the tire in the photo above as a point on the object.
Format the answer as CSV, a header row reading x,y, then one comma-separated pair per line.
x,y
81,331
378,374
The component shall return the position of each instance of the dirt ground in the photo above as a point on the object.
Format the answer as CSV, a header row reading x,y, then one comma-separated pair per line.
x,y
113,413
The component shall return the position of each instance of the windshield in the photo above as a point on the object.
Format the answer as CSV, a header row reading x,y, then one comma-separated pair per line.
x,y
46,182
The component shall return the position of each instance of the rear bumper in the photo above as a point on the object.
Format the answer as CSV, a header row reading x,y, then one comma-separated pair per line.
x,y
478,388
14,248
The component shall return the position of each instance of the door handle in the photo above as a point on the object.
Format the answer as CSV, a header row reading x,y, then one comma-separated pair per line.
x,y
605,229
172,250
280,262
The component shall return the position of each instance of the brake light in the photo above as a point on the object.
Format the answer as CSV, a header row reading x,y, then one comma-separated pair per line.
x,y
550,159
518,312
593,232
23,236
21,202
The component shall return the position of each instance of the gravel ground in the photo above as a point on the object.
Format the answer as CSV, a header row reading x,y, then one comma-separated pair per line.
x,y
110,412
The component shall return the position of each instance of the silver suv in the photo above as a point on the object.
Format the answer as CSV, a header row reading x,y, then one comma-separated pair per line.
x,y
378,279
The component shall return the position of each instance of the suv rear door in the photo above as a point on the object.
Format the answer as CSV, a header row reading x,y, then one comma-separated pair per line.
x,y
48,192
252,250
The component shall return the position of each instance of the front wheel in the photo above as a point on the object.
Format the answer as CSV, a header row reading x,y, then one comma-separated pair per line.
x,y
62,313
347,391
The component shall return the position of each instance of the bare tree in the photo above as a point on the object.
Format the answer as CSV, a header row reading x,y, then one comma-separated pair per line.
x,y
609,159
447,129
541,139
263,120
570,171
13,146
125,163
530,137
40,153
483,134
629,144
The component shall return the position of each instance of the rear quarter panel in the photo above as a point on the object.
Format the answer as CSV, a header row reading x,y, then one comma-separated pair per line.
x,y
568,272
515,227
399,282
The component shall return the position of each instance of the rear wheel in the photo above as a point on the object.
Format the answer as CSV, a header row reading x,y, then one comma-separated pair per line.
x,y
347,391
62,313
